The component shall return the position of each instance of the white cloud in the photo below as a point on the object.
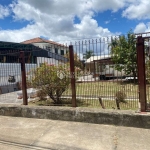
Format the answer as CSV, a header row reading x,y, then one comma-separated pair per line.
x,y
22,34
4,12
55,19
140,9
52,8
108,21
141,27
102,5
89,27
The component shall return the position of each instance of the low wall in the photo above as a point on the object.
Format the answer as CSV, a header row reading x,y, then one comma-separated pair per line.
x,y
89,115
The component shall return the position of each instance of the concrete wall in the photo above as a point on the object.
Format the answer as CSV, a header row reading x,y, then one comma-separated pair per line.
x,y
89,115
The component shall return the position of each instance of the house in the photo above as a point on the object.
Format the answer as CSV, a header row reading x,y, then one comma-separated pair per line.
x,y
10,63
51,46
9,53
103,67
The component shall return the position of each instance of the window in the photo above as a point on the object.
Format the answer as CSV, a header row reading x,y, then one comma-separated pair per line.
x,y
62,52
56,50
48,48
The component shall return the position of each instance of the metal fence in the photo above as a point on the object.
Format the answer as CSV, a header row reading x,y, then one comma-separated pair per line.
x,y
17,63
100,82
94,80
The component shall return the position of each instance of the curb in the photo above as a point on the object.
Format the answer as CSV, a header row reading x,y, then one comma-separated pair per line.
x,y
89,115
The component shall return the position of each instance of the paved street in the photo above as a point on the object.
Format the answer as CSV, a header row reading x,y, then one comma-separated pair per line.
x,y
42,134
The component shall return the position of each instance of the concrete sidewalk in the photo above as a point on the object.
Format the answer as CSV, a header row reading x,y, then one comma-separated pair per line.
x,y
11,98
39,134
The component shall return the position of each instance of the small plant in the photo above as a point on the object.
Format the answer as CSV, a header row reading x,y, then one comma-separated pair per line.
x,y
120,98
51,80
41,94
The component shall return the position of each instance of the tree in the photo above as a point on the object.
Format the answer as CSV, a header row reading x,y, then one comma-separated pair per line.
x,y
123,52
88,54
51,80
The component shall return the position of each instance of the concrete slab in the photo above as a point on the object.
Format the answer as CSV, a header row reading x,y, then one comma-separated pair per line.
x,y
41,134
11,98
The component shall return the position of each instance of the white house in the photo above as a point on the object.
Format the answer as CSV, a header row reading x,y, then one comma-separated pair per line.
x,y
51,46
102,66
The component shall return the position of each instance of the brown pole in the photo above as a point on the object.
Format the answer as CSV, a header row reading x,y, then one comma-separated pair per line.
x,y
23,73
141,72
101,102
94,72
72,73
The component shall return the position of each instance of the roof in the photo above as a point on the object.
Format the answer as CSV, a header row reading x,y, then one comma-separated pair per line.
x,y
11,45
40,40
92,58
36,51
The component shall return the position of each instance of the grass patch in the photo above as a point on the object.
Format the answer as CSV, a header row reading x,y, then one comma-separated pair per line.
x,y
94,103
87,93
109,104
49,102
104,89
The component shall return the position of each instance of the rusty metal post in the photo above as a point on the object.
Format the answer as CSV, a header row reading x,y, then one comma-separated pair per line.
x,y
141,72
94,71
101,102
72,73
23,73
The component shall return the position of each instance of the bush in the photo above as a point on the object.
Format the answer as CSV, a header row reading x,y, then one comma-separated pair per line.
x,y
120,96
51,80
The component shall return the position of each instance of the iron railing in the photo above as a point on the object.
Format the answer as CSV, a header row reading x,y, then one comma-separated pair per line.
x,y
94,79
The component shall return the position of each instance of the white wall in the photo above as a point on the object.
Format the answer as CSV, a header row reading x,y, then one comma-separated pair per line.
x,y
53,61
111,70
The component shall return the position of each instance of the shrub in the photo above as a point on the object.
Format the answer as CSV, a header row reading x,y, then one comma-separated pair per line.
x,y
51,80
41,94
120,98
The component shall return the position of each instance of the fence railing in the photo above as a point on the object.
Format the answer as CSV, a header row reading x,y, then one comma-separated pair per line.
x,y
94,79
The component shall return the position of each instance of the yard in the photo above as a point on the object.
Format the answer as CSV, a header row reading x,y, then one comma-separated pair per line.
x,y
88,94
105,89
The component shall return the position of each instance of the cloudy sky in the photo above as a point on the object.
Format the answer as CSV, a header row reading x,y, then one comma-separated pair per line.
x,y
61,20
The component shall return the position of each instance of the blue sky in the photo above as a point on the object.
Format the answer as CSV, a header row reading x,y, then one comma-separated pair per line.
x,y
62,20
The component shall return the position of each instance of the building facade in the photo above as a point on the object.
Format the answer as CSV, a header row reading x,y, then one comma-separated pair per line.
x,y
51,46
103,66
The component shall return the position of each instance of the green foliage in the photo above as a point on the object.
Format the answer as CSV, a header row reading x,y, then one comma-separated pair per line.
x,y
88,54
147,62
51,80
123,51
